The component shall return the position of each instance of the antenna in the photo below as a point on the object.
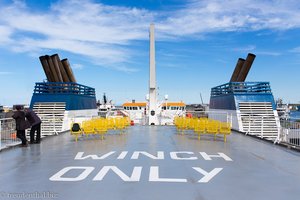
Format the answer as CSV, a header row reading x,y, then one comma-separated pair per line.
x,y
201,98
104,99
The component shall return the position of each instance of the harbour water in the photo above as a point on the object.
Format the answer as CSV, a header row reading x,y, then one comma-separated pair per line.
x,y
295,115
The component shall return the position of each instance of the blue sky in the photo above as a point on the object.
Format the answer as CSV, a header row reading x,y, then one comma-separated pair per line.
x,y
198,43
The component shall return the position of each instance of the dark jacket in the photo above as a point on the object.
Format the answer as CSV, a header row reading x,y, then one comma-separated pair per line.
x,y
32,117
19,116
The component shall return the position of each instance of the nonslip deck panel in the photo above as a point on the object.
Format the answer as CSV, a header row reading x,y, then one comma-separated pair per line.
x,y
258,170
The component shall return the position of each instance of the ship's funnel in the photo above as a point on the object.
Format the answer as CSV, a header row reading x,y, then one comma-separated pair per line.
x,y
246,68
237,70
62,73
46,68
56,66
57,70
52,69
68,70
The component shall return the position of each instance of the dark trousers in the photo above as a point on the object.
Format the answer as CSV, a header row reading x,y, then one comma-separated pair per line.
x,y
21,136
36,128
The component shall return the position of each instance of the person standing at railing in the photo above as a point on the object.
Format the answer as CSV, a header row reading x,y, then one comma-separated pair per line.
x,y
21,124
35,123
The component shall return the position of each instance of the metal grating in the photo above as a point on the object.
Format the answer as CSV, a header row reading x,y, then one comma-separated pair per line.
x,y
52,115
258,118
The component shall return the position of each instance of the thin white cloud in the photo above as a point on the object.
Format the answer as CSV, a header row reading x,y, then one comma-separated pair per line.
x,y
104,33
101,33
268,53
77,66
5,73
107,53
295,50
253,48
200,17
75,20
5,34
245,49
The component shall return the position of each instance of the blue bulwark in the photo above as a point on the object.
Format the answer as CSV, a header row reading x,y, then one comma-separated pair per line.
x,y
228,96
76,96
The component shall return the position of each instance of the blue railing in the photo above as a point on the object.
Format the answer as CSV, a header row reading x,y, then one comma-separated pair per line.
x,y
63,88
242,88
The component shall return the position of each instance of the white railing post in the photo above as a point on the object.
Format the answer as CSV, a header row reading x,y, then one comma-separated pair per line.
x,y
262,127
279,130
285,133
0,134
249,126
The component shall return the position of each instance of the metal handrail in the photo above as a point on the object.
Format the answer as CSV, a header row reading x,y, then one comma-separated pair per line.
x,y
290,131
241,87
63,87
7,133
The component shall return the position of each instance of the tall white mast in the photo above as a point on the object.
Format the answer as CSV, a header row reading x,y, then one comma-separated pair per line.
x,y
153,120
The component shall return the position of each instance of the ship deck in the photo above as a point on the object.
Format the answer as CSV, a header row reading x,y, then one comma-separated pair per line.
x,y
150,163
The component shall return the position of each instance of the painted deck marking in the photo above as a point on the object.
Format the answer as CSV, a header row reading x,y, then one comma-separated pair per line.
x,y
174,155
58,176
79,156
207,175
154,176
221,155
135,176
122,155
160,155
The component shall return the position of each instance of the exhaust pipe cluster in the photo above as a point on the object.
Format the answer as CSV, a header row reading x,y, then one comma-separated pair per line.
x,y
242,68
57,70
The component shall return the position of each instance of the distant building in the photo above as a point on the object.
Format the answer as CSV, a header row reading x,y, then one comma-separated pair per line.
x,y
2,114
